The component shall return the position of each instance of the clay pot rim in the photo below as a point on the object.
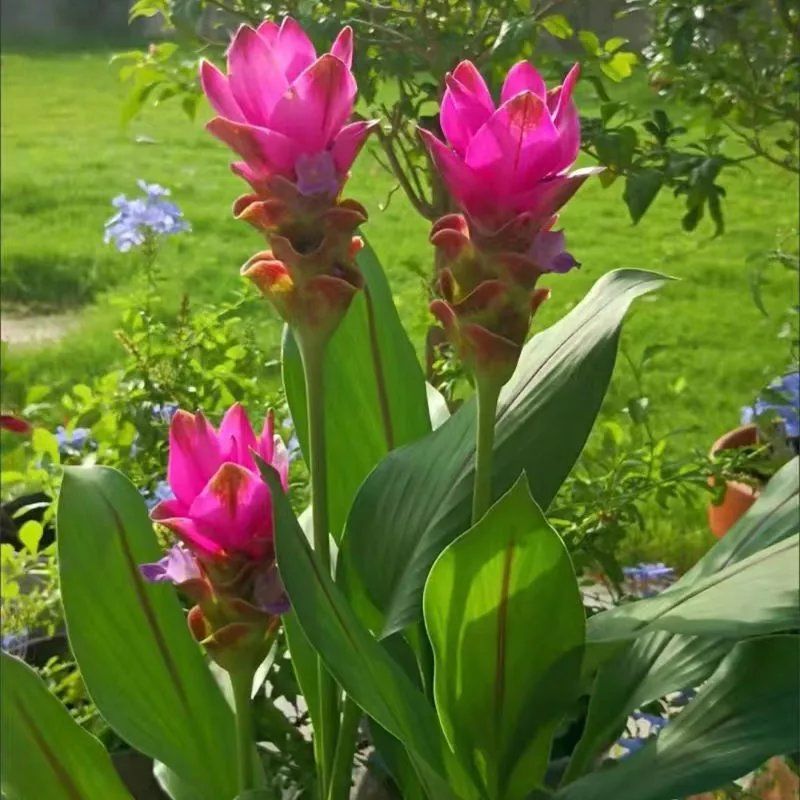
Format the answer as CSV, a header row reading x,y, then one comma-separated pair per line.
x,y
722,443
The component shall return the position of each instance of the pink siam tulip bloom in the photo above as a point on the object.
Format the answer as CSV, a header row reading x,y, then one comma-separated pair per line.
x,y
284,110
500,162
222,508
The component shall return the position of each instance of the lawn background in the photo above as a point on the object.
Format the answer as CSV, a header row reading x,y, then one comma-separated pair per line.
x,y
65,155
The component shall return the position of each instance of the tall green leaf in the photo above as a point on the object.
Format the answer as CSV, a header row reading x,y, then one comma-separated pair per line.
x,y
45,753
141,666
754,596
369,350
360,664
645,669
418,498
506,622
748,711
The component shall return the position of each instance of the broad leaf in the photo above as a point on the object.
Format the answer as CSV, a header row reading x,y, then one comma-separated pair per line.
x,y
754,596
506,622
418,498
659,662
141,666
45,753
369,350
648,668
359,663
772,518
748,711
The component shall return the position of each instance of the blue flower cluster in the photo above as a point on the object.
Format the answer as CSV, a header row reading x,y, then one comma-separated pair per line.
x,y
161,491
141,217
649,579
641,727
72,442
781,400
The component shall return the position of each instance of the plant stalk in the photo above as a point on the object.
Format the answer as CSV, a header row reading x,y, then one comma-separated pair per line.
x,y
242,682
488,392
345,750
313,355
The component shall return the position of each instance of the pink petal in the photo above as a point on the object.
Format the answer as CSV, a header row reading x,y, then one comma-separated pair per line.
x,y
264,150
560,97
257,178
200,541
169,508
280,461
523,77
217,90
466,106
348,143
194,455
254,75
236,506
317,104
457,176
544,199
342,47
236,437
293,49
566,118
467,75
268,31
266,441
516,146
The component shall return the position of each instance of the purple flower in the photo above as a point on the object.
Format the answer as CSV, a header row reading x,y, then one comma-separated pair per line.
x,y
142,217
268,591
177,566
781,401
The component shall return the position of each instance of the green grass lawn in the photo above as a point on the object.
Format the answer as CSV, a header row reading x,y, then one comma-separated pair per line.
x,y
65,156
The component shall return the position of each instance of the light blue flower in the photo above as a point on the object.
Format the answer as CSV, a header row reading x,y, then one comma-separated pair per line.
x,y
165,412
783,402
70,442
141,217
162,491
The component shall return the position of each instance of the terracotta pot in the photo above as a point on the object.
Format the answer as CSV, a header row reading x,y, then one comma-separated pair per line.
x,y
738,496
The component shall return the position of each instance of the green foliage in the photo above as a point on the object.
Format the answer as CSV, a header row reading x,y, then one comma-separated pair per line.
x,y
563,374
45,753
739,60
160,697
499,701
377,391
747,711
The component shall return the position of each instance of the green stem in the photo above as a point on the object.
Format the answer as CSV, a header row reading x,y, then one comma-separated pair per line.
x,y
345,750
313,355
242,682
488,392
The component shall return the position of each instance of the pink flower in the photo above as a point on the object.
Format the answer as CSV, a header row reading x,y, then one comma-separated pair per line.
x,y
222,508
501,162
285,111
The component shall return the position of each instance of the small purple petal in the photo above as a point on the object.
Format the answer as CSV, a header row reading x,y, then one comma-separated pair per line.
x,y
316,174
177,566
269,593
549,253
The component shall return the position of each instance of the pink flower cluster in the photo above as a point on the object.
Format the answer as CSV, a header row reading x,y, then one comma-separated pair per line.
x,y
284,110
222,507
